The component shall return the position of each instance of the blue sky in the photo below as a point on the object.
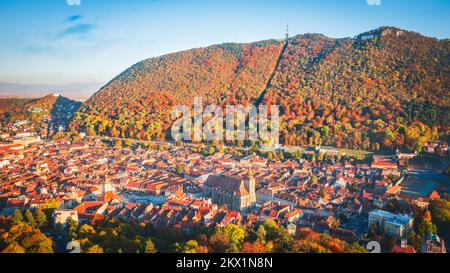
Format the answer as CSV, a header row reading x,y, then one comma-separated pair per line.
x,y
51,42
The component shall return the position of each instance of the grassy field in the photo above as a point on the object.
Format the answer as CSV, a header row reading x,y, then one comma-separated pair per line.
x,y
358,154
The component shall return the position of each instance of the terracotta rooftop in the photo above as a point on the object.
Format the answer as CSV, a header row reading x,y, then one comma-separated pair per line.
x,y
230,184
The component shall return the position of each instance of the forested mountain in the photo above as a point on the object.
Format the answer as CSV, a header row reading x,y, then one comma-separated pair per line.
x,y
11,105
385,88
52,109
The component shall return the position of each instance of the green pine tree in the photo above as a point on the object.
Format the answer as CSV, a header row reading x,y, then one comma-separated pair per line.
x,y
30,218
41,218
17,217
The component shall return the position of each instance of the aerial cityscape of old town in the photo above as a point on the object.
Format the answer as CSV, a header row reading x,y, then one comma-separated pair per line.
x,y
348,195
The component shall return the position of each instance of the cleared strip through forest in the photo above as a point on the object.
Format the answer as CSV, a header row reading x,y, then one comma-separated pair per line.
x,y
269,81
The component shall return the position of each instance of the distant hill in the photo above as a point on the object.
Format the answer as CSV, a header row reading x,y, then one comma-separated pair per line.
x,y
385,88
54,110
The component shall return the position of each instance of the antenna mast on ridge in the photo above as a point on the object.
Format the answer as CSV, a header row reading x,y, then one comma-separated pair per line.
x,y
287,32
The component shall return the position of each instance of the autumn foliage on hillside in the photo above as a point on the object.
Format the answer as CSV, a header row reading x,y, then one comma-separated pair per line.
x,y
383,89
54,110
10,107
138,103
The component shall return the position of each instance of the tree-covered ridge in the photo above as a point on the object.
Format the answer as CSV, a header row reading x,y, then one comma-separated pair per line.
x,y
34,110
139,101
10,104
11,108
43,115
207,72
385,88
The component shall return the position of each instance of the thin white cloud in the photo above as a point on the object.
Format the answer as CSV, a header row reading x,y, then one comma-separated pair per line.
x,y
374,2
73,2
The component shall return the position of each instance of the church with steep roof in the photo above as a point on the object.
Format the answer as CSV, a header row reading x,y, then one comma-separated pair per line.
x,y
237,192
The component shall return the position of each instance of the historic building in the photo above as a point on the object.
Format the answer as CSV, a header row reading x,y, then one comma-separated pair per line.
x,y
394,225
237,192
61,216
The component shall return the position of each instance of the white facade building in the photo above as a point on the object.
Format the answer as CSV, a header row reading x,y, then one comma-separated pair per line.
x,y
391,224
